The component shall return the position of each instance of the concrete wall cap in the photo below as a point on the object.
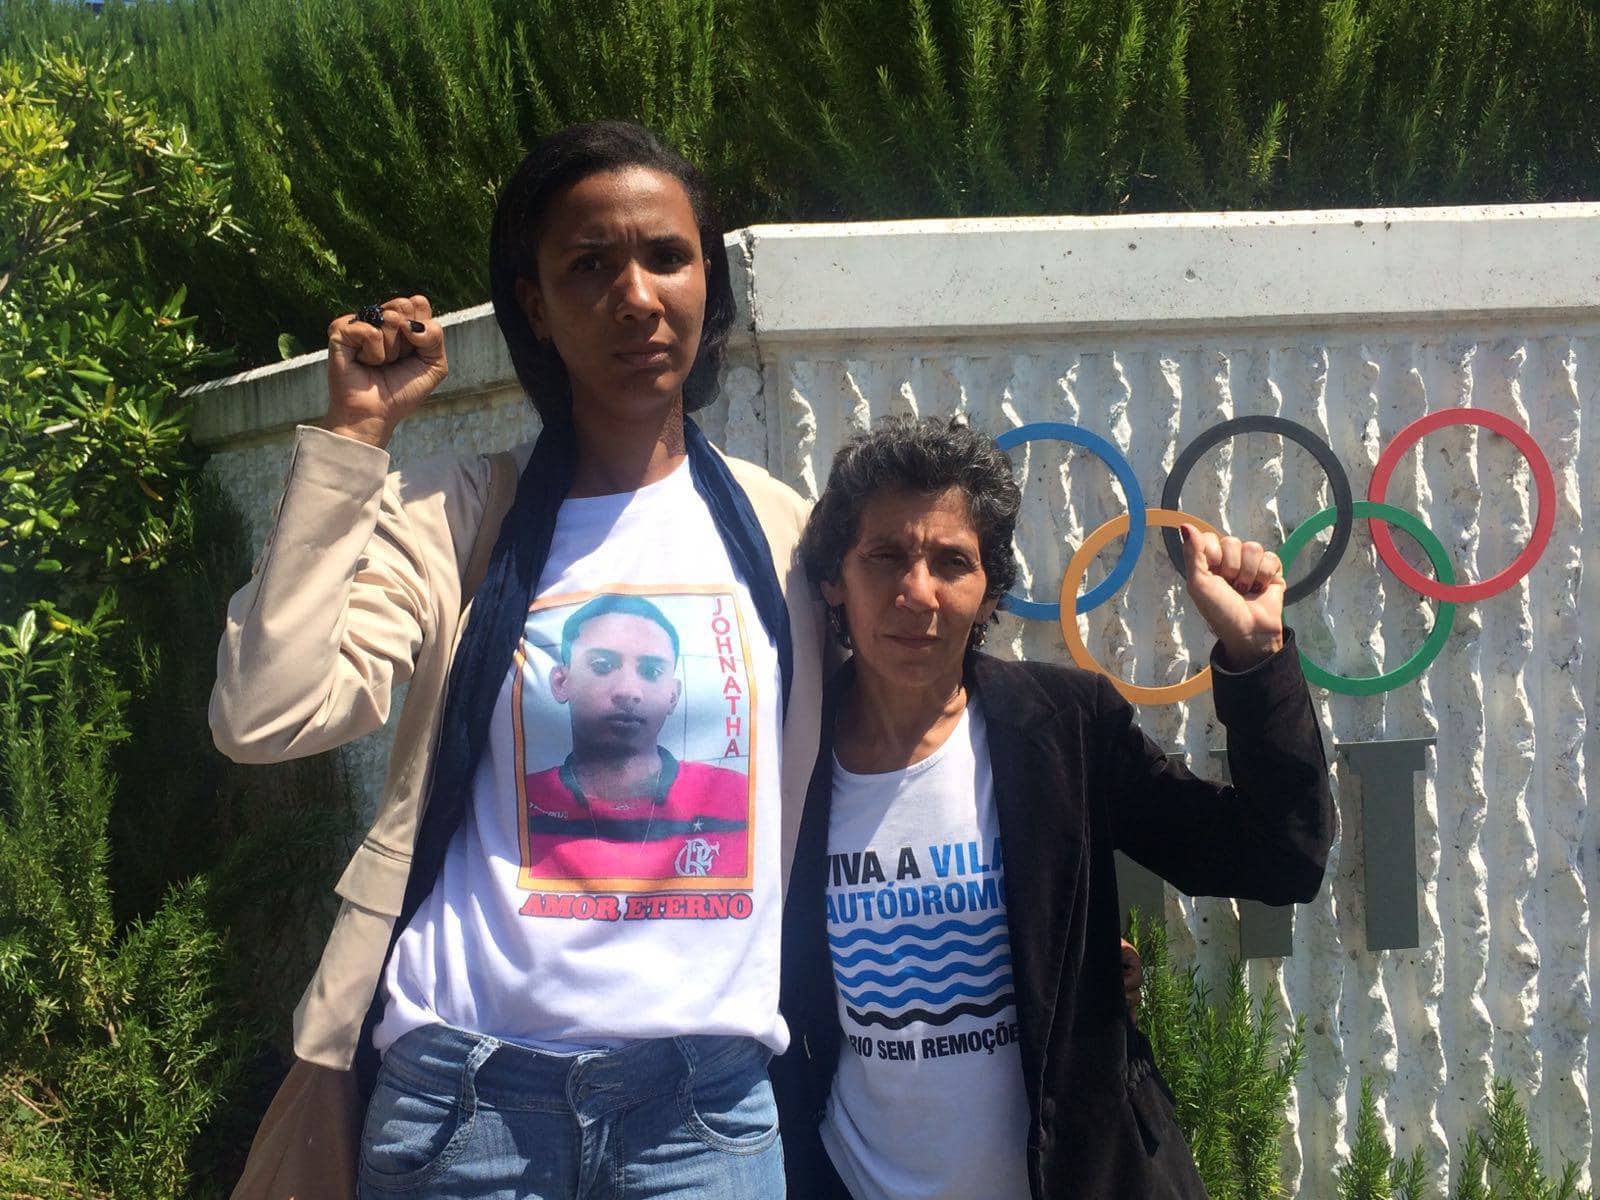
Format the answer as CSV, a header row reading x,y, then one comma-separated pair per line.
x,y
1049,275
276,397
1027,277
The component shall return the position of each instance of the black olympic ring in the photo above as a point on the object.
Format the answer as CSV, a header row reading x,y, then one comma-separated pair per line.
x,y
1343,503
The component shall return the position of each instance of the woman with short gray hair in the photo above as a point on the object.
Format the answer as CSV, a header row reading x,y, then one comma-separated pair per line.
x,y
951,979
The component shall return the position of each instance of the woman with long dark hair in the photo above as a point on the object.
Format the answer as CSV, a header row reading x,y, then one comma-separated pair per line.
x,y
561,932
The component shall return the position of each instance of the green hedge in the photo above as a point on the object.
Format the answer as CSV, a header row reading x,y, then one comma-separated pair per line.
x,y
367,140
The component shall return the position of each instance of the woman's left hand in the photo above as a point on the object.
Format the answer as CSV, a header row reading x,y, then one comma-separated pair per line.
x,y
1238,588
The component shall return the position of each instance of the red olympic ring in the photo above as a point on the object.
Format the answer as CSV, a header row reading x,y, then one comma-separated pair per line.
x,y
1544,524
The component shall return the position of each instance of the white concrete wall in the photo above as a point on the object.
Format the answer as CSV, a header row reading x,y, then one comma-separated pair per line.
x,y
1149,330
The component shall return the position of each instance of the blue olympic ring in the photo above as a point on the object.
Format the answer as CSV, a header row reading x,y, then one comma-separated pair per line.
x,y
1060,431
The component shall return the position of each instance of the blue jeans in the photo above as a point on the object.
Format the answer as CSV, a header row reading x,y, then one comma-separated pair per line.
x,y
465,1117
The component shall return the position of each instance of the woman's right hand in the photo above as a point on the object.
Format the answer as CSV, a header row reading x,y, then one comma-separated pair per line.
x,y
379,377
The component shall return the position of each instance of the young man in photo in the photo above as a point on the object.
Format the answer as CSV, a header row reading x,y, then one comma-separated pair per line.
x,y
622,805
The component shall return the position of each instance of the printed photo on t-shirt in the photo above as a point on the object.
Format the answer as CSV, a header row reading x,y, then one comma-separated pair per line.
x,y
632,713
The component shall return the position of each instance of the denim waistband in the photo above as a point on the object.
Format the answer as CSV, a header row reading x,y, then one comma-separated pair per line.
x,y
448,1062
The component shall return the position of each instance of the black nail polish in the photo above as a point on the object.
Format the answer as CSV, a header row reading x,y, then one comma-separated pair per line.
x,y
417,326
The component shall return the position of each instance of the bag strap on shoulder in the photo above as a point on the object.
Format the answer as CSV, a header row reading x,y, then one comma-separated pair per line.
x,y
502,490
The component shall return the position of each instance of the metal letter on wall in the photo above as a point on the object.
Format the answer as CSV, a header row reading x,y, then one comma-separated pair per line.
x,y
1139,887
1389,837
1389,850
1265,930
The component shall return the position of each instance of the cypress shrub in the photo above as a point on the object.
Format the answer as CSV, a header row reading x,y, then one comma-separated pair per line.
x,y
266,842
972,107
1229,1076
1499,1162
159,907
968,107
113,1055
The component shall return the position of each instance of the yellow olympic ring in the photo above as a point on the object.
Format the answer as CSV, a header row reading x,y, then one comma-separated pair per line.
x,y
1072,580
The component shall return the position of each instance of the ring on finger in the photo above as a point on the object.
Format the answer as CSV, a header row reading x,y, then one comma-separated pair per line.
x,y
372,314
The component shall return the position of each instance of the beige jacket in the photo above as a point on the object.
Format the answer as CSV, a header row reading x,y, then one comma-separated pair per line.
x,y
357,592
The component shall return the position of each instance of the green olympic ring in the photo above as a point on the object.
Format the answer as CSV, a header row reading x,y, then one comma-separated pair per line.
x,y
1371,685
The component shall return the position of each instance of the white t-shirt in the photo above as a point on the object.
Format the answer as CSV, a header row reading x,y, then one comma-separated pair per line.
x,y
928,1102
616,875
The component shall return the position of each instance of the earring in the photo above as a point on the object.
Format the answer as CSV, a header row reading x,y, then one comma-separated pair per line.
x,y
980,634
836,625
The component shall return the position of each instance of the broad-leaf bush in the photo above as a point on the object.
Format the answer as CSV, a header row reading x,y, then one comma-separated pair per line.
x,y
157,905
92,360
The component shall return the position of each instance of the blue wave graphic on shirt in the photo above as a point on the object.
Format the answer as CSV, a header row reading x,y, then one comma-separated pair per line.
x,y
906,993
927,996
922,932
910,973
868,954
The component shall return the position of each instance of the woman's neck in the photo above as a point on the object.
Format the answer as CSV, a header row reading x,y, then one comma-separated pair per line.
x,y
623,456
884,726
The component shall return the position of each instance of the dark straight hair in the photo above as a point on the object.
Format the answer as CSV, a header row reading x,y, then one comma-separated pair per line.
x,y
557,162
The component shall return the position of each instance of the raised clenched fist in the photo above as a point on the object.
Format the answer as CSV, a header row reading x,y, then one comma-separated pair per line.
x,y
378,375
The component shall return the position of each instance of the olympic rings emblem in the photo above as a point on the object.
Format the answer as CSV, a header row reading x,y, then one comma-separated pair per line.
x,y
1341,515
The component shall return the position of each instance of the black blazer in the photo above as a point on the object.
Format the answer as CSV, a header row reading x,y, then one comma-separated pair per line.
x,y
1075,779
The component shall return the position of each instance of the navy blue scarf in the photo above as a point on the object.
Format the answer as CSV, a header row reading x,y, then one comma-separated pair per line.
x,y
500,610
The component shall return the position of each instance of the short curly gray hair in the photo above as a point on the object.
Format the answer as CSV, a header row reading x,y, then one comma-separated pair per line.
x,y
927,455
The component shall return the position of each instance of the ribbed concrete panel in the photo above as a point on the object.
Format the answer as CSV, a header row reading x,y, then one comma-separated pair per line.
x,y
1353,324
